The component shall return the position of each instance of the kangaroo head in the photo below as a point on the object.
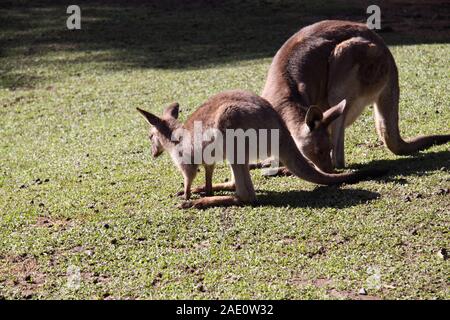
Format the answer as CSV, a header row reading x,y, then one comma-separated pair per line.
x,y
315,135
161,128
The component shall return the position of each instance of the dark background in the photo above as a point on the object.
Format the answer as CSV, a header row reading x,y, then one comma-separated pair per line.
x,y
191,34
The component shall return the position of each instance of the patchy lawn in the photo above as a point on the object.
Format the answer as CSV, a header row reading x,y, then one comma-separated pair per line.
x,y
85,212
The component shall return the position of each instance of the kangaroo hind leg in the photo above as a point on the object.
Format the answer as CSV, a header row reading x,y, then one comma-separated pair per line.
x,y
245,192
386,118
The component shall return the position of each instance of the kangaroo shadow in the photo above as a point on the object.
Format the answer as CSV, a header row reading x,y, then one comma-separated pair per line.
x,y
418,164
333,197
320,197
180,34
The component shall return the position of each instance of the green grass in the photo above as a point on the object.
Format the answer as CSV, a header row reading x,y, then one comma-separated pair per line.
x,y
78,187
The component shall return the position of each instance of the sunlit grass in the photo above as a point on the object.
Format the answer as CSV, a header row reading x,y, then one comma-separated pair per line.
x,y
78,186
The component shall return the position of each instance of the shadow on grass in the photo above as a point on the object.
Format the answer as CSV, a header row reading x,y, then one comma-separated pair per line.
x,y
191,34
334,197
419,164
320,197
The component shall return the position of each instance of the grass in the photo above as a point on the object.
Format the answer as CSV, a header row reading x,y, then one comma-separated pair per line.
x,y
79,190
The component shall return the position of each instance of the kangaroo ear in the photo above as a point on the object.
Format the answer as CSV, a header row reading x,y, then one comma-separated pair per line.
x,y
313,117
333,113
172,111
151,118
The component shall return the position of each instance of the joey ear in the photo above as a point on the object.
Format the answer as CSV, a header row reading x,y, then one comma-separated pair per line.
x,y
172,111
333,113
313,117
150,117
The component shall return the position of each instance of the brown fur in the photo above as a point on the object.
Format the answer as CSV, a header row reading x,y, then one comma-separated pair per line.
x,y
323,64
235,110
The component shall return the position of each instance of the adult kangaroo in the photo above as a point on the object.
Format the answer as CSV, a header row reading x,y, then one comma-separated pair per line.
x,y
319,67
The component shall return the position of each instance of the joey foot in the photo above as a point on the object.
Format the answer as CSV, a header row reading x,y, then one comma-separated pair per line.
x,y
260,165
182,195
280,172
217,201
199,190
185,204
196,204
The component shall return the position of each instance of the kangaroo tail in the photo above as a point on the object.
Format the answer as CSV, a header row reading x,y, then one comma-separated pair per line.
x,y
420,143
386,120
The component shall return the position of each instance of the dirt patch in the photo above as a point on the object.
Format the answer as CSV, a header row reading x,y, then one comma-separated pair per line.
x,y
342,294
22,273
94,277
287,240
203,245
328,285
49,222
302,281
